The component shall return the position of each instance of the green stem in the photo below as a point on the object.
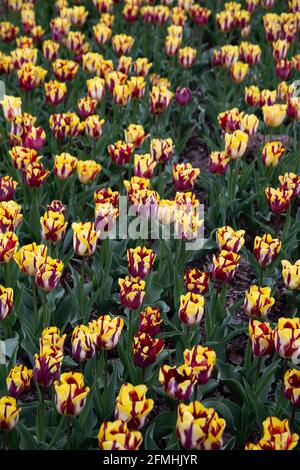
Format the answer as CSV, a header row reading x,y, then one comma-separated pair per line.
x,y
41,417
57,431
45,313
34,299
293,418
105,369
69,433
82,270
5,440
257,371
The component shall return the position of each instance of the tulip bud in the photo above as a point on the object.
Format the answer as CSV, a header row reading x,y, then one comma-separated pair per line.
x,y
224,266
146,349
150,321
135,135
140,261
292,386
276,436
115,435
202,361
236,144
178,382
196,281
266,249
8,246
183,96
70,394
30,257
132,406
83,343
96,88
93,126
46,368
258,302
199,427
11,107
6,301
252,95
191,308
51,339
229,239
161,149
9,413
49,273
132,292
64,165
107,331
238,71
187,57
84,238
291,274
261,337
272,153
7,188
159,99
87,170
279,199
274,115
53,226
184,176
18,380
287,338
218,162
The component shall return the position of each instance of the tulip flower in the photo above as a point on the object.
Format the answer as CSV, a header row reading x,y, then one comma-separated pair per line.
x,y
47,367
106,195
150,321
120,152
261,337
224,266
135,135
276,436
84,238
267,98
258,302
115,435
199,14
124,64
178,382
6,301
132,292
87,170
230,120
132,406
252,95
22,156
249,53
287,338
10,216
52,339
64,125
7,188
238,71
96,88
292,386
64,165
184,176
161,149
83,343
146,349
285,92
35,174
18,380
279,199
218,162
49,273
183,96
9,413
291,274
30,257
229,239
55,92
172,45
202,361
70,393
284,68
53,226
144,165
122,43
86,106
290,181
274,115
140,261
272,153
199,427
64,70
8,246
11,107
236,144
107,331
102,33
142,66
50,49
187,56
249,124
191,308
159,99
137,86
266,249
105,217
196,281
